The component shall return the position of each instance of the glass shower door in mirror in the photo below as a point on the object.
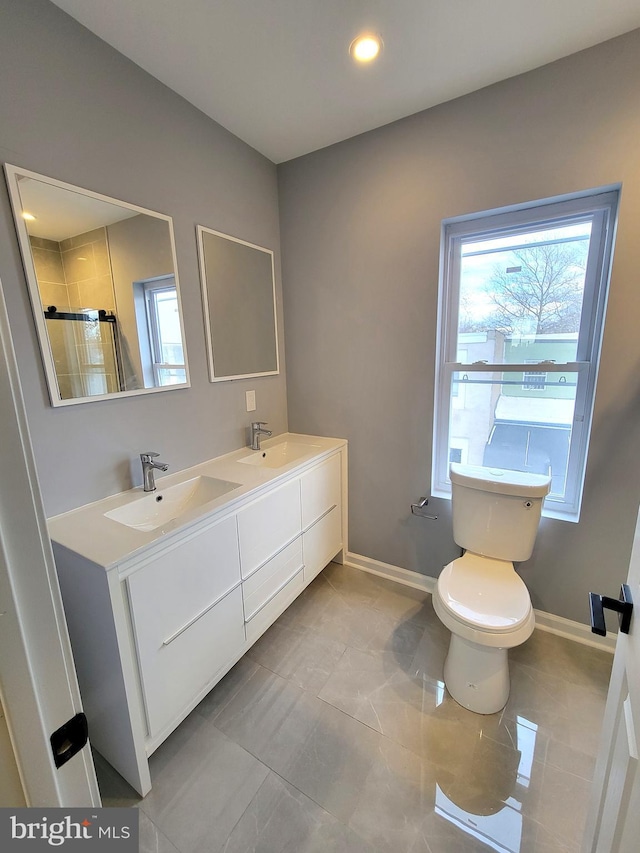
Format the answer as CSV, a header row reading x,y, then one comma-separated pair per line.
x,y
104,289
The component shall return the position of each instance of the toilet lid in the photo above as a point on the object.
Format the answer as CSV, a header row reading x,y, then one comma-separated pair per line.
x,y
485,593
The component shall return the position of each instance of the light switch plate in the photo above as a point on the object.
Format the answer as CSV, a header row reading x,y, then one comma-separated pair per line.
x,y
251,400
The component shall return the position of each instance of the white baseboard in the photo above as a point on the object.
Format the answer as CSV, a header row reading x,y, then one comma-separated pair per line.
x,y
577,631
567,628
394,573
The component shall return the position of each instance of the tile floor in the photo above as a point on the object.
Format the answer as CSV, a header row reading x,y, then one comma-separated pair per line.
x,y
335,734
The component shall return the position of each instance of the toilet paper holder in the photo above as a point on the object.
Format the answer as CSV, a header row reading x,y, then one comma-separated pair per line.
x,y
419,509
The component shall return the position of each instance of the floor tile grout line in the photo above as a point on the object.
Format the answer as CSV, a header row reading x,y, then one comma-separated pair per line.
x,y
260,786
158,830
320,806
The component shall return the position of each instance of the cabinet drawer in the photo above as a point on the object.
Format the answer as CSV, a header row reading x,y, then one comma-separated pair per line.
x,y
268,524
178,669
321,543
267,581
173,601
178,584
320,490
256,626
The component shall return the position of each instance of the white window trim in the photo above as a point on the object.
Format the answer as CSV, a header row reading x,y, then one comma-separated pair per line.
x,y
602,204
150,288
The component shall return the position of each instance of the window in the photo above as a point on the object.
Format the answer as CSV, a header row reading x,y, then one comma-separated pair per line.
x,y
159,332
521,313
533,380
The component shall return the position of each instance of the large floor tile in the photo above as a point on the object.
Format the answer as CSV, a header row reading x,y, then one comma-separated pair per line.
x,y
226,689
400,789
562,710
565,659
408,708
299,654
151,839
361,588
369,782
202,784
558,801
348,620
281,819
450,830
270,717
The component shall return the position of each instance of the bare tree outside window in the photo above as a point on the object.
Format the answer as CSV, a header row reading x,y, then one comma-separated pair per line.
x,y
538,290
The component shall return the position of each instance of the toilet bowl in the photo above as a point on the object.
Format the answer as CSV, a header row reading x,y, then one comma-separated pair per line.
x,y
479,597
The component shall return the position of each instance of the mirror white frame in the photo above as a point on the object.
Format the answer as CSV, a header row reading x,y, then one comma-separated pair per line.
x,y
239,305
14,176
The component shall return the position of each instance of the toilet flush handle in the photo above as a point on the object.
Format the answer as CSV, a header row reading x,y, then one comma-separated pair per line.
x,y
418,509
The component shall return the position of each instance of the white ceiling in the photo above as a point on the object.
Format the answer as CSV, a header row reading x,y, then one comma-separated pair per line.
x,y
277,72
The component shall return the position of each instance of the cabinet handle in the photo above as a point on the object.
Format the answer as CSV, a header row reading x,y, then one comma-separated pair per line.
x,y
199,616
275,554
274,593
319,518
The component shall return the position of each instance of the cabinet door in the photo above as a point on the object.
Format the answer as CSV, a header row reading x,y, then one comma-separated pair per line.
x,y
186,607
267,525
321,542
321,497
320,490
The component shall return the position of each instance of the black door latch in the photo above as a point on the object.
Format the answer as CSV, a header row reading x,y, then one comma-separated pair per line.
x,y
69,739
623,607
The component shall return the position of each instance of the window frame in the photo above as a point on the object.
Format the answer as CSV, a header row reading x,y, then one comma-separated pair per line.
x,y
600,206
152,360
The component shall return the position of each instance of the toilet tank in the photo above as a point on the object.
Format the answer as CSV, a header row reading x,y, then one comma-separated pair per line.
x,y
496,512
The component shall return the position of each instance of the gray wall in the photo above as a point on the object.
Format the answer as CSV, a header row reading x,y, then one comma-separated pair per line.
x,y
139,249
74,109
360,230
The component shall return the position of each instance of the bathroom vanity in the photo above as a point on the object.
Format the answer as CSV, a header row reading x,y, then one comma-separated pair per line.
x,y
165,591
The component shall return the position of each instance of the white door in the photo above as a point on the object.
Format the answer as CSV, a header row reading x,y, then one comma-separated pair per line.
x,y
38,686
614,818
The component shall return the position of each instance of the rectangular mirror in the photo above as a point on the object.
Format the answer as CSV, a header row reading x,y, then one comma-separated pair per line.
x,y
239,300
103,283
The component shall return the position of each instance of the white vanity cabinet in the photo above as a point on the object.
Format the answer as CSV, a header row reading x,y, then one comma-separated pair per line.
x,y
155,630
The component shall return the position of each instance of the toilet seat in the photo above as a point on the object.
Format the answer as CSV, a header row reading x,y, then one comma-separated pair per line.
x,y
484,593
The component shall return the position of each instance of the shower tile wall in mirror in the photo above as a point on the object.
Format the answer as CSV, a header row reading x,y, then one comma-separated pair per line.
x,y
103,283
238,297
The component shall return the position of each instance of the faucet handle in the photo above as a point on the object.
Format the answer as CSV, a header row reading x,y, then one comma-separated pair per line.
x,y
255,424
148,456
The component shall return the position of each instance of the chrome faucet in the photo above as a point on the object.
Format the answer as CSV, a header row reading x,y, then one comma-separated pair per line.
x,y
148,468
256,432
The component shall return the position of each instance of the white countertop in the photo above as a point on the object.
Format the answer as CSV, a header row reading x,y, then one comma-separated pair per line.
x,y
107,543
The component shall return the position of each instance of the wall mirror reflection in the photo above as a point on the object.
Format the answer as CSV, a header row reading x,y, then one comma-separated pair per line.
x,y
103,283
238,296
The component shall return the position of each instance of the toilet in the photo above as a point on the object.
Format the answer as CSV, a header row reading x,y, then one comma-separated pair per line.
x,y
479,597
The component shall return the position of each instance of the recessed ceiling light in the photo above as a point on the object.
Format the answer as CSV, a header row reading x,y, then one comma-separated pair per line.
x,y
28,216
365,47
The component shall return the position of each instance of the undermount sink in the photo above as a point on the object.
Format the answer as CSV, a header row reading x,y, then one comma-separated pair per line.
x,y
165,505
277,455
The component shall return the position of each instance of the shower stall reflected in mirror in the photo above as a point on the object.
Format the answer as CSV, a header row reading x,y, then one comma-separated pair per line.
x,y
86,351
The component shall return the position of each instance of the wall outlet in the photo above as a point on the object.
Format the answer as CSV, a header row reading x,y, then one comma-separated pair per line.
x,y
251,400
